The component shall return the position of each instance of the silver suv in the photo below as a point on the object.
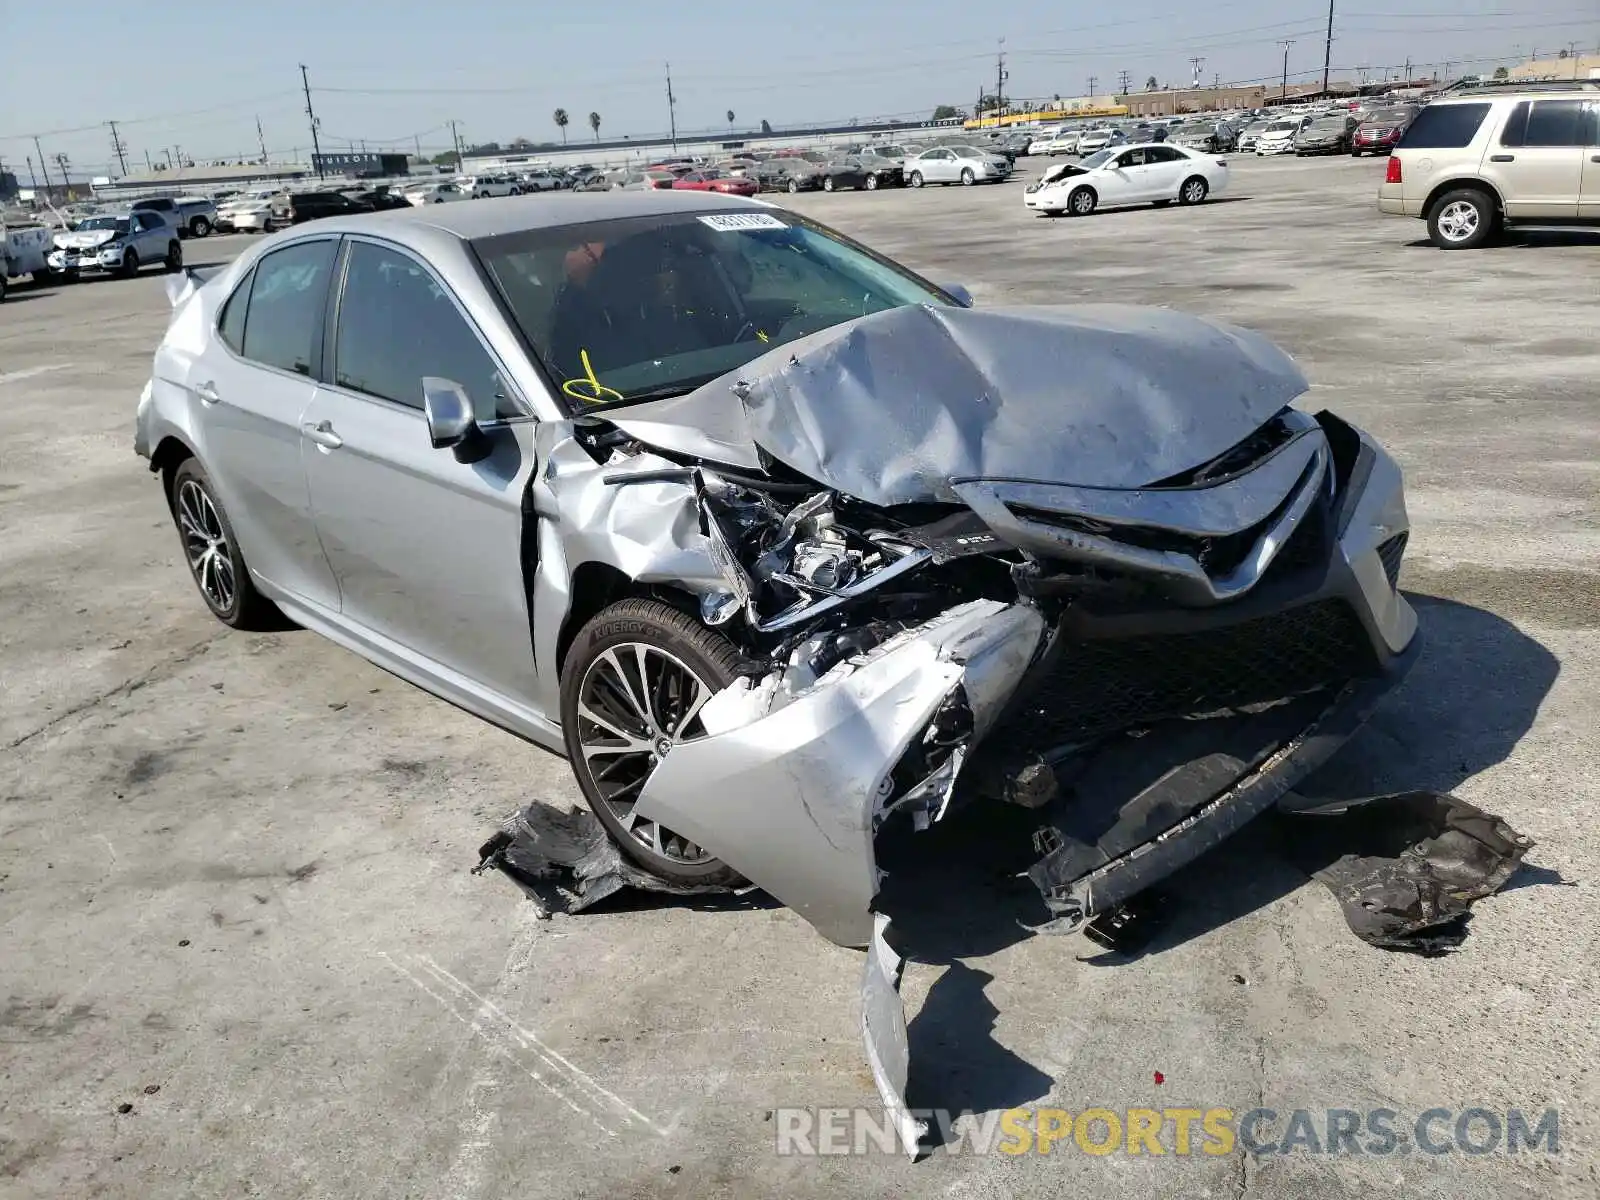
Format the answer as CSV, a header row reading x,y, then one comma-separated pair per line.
x,y
1472,165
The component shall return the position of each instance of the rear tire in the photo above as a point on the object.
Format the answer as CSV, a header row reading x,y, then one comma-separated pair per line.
x,y
1194,190
872,183
680,658
827,183
1464,219
200,227
212,552
794,186
967,177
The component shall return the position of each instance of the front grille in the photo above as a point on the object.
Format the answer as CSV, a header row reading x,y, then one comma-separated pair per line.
x,y
1101,686
1391,552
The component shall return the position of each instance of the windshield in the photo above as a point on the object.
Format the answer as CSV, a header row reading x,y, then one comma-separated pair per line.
x,y
1387,116
641,308
1283,126
118,223
1327,125
1098,159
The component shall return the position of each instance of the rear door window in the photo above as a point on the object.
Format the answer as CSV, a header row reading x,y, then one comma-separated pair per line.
x,y
1556,123
287,301
1444,127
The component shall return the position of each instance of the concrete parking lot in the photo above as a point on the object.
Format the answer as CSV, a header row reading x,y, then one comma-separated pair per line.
x,y
242,954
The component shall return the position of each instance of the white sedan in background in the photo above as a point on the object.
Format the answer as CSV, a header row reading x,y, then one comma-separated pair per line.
x,y
956,164
1153,173
434,193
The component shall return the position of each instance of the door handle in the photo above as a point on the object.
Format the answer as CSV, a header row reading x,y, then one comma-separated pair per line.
x,y
207,392
322,434
1502,158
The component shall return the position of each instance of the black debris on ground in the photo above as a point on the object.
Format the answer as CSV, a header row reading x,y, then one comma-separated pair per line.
x,y
1407,868
565,862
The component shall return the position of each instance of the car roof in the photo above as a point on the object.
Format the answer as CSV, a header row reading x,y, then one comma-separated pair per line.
x,y
514,214
1577,91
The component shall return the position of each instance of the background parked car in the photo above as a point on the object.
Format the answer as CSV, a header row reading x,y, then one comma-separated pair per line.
x,y
117,245
191,216
1154,173
805,173
481,187
296,208
716,181
1209,136
1326,135
956,164
1278,137
880,171
1381,129
1249,135
433,193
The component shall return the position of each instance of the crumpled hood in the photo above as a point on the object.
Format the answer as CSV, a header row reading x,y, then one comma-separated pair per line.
x,y
896,407
86,240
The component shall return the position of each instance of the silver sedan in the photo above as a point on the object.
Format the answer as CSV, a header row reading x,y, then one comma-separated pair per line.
x,y
956,164
730,511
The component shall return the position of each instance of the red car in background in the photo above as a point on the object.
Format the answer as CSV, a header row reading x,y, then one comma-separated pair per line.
x,y
715,181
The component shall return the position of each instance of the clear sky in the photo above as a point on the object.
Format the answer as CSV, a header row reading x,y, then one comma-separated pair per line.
x,y
198,75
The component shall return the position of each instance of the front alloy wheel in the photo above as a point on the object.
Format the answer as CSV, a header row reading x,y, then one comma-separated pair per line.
x,y
632,689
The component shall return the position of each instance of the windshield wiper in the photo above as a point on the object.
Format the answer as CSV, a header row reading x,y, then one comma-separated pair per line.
x,y
663,391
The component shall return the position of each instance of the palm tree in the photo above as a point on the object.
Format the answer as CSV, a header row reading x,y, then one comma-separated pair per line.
x,y
561,120
730,120
594,124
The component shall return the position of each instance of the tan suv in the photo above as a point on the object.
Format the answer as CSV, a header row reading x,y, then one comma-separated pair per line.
x,y
1471,165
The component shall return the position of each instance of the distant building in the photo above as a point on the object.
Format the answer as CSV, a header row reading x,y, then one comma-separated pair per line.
x,y
361,165
1575,66
183,180
1177,101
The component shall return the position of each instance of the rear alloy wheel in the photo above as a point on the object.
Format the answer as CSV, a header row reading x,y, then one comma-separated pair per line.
x,y
967,177
1462,220
916,179
213,554
827,183
200,227
631,690
1193,191
872,183
1082,202
794,186
174,259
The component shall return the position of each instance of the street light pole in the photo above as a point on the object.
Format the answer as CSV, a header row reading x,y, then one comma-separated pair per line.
x,y
1284,94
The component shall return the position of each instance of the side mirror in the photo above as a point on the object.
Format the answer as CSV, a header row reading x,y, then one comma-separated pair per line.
x,y
450,420
959,294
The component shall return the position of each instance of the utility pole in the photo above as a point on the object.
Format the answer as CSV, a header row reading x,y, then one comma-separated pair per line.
x,y
45,170
1196,63
1327,50
168,152
177,152
1000,78
1408,68
1123,79
1286,43
261,141
455,142
316,147
416,140
118,148
1572,53
148,165
61,161
672,109
33,180
1094,80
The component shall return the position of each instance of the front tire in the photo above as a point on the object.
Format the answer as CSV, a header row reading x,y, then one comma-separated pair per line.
x,y
794,186
827,184
1193,191
916,179
872,183
212,552
200,227
174,259
130,264
1463,220
1082,202
631,689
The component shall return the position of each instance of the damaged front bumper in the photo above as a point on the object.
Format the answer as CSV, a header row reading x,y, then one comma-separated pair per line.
x,y
789,788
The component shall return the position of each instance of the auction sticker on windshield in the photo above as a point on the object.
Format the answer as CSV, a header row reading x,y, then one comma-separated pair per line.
x,y
739,222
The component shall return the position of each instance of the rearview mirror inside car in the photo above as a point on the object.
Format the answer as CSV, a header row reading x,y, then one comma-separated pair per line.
x,y
450,420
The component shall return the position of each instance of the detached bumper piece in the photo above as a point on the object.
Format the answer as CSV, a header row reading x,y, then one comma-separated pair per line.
x,y
1407,868
565,862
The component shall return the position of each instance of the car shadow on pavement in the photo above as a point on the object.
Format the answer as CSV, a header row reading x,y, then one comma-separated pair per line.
x,y
1531,239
